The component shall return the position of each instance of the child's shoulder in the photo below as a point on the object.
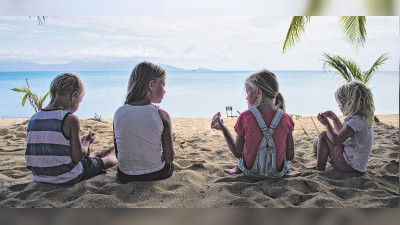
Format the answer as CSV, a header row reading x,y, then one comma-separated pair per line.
x,y
246,113
286,116
356,119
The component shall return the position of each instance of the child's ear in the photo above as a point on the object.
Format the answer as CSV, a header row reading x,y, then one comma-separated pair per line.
x,y
258,92
151,85
74,96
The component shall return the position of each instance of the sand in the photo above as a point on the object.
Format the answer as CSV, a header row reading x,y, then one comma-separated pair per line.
x,y
207,185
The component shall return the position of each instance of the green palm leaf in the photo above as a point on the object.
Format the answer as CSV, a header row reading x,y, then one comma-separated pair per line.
x,y
42,100
19,90
367,75
353,68
336,62
35,98
296,28
24,99
314,7
354,30
27,84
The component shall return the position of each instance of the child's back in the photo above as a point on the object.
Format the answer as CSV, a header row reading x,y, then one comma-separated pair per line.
x,y
48,153
55,152
138,131
143,132
357,148
248,127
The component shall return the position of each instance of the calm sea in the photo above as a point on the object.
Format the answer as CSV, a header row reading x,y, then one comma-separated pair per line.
x,y
198,94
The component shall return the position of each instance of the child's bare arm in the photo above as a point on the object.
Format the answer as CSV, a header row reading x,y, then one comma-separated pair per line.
x,y
289,147
337,124
166,138
71,130
338,138
237,146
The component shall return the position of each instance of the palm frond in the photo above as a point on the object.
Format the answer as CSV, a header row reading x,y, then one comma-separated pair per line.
x,y
19,90
27,84
42,100
354,30
336,63
296,28
367,75
314,7
24,99
354,69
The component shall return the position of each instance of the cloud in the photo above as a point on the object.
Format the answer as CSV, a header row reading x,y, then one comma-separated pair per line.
x,y
222,43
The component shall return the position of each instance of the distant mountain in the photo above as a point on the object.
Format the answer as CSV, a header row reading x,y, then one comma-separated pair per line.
x,y
202,70
170,68
120,65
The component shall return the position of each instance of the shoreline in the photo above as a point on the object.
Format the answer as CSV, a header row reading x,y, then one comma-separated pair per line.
x,y
385,118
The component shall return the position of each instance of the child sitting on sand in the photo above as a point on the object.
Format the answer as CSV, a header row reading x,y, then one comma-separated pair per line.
x,y
55,152
263,151
347,144
143,137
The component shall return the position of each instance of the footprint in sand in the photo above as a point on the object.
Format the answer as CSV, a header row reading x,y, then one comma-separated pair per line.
x,y
18,187
297,200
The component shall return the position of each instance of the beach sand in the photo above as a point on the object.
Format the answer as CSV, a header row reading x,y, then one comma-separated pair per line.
x,y
207,185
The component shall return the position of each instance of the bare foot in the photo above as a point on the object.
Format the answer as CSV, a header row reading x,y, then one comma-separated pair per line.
x,y
292,174
102,153
232,171
314,168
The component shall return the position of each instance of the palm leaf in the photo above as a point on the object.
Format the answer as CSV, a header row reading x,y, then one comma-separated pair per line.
x,y
336,63
296,28
19,90
42,100
24,99
314,7
354,30
367,75
27,84
35,99
354,69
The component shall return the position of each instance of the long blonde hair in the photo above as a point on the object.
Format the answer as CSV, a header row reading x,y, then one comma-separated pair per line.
x,y
140,78
266,81
356,99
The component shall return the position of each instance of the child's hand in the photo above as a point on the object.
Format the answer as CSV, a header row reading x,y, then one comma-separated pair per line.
x,y
217,123
89,137
322,119
329,114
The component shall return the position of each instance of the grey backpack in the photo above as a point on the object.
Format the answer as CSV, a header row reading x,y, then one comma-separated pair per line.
x,y
265,162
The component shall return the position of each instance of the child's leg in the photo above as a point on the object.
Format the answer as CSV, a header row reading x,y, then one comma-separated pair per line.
x,y
109,161
324,149
102,153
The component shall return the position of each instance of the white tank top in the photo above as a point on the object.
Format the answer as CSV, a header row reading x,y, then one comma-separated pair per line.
x,y
138,131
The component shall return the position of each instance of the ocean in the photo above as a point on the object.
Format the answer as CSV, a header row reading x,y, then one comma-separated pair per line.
x,y
198,94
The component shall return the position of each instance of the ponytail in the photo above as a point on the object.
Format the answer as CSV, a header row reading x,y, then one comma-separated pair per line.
x,y
280,102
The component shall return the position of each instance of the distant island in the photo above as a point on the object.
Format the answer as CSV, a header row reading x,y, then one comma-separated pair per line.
x,y
77,65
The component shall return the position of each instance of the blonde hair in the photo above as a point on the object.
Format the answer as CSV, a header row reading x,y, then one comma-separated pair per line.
x,y
356,99
140,78
66,83
268,84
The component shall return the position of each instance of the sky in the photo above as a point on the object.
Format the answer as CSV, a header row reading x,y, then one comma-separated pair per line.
x,y
191,42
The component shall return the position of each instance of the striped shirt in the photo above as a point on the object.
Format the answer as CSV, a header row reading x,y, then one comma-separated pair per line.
x,y
48,153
